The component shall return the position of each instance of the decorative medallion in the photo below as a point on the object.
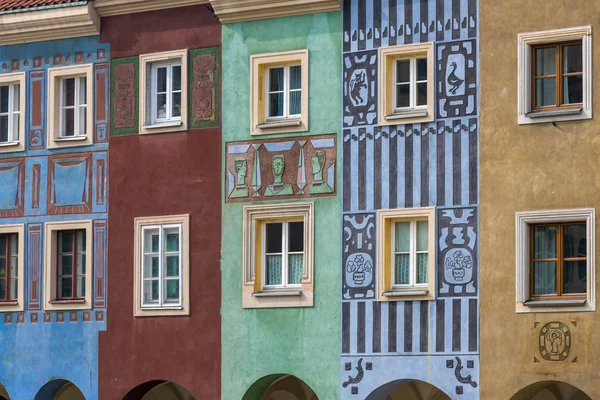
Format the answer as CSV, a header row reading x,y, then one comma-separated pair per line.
x,y
555,341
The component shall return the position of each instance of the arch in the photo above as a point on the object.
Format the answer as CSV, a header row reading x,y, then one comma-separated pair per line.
x,y
408,389
3,393
551,390
59,389
158,390
280,387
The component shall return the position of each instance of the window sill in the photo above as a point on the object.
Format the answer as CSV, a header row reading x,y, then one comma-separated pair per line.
x,y
406,114
280,124
69,301
277,293
406,292
8,303
169,124
151,309
70,139
9,144
555,303
554,113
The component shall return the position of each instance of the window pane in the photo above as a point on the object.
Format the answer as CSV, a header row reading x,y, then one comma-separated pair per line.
x,y
402,71
81,286
172,266
81,130
81,241
4,136
545,92
544,238
14,267
16,97
402,269
14,244
544,280
161,80
65,287
177,77
68,92
422,94
3,271
273,272
3,290
402,96
295,100
572,59
274,235
161,106
176,105
65,241
276,105
422,235
14,290
4,93
296,236
82,90
422,268
402,237
66,265
422,69
16,126
573,89
545,61
295,264
3,241
68,122
80,264
575,277
151,241
172,239
171,289
150,268
150,291
575,243
295,77
276,79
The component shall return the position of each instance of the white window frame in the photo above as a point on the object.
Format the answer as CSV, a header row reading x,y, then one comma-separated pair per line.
x,y
168,64
526,115
260,64
12,137
412,256
149,124
412,84
56,77
161,267
524,220
142,224
284,256
51,268
16,138
77,106
286,93
19,230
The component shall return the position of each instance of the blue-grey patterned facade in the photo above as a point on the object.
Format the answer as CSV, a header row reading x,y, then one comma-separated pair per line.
x,y
404,166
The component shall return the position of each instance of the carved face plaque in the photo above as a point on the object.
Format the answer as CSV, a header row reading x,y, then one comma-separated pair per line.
x,y
555,341
278,166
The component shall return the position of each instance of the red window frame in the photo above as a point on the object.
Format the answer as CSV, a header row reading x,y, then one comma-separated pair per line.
x,y
7,276
74,256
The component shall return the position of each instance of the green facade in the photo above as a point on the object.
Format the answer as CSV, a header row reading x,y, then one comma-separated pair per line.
x,y
258,344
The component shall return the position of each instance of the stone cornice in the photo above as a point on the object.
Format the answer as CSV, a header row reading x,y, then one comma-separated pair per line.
x,y
50,24
117,7
230,11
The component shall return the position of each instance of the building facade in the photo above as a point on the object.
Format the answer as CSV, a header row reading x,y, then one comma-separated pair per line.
x,y
539,195
410,193
53,199
281,125
164,338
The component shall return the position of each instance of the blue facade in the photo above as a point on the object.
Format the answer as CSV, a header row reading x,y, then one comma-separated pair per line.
x,y
386,344
42,349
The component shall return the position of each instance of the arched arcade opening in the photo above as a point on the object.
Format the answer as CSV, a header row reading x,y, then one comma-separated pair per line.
x,y
159,390
408,390
3,393
551,390
59,389
280,387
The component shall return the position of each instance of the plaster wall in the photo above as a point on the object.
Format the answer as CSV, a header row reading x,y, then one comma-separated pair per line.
x,y
303,342
523,168
160,175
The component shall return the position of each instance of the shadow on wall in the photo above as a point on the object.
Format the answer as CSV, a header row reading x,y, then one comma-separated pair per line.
x,y
551,390
158,390
408,390
280,387
59,389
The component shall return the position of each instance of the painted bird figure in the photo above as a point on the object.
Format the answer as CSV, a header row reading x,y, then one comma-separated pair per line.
x,y
454,80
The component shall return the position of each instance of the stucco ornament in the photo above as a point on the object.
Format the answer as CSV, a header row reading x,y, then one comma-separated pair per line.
x,y
458,266
555,341
359,270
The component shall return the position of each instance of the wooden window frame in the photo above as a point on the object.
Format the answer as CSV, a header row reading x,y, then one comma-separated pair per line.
x,y
413,252
74,274
412,82
168,64
14,109
558,75
78,104
559,260
16,83
8,256
284,253
286,93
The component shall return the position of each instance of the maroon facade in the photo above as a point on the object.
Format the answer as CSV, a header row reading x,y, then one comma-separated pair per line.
x,y
158,175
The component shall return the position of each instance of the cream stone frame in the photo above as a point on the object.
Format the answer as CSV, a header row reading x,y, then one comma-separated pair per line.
x,y
50,267
146,61
385,220
6,79
385,106
253,295
523,220
526,40
139,223
19,229
54,77
259,63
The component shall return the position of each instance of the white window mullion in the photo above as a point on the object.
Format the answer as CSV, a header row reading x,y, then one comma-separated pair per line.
x,y
286,91
154,94
11,117
76,109
180,284
413,252
160,266
169,111
413,82
284,256
393,254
